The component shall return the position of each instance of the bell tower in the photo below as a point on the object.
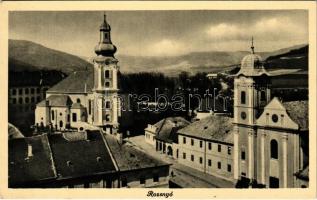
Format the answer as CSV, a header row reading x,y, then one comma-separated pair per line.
x,y
105,90
252,92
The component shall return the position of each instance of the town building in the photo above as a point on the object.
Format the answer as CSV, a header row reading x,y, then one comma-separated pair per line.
x,y
163,134
207,145
87,159
88,97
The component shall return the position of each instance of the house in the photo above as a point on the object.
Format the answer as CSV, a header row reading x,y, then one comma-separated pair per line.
x,y
163,134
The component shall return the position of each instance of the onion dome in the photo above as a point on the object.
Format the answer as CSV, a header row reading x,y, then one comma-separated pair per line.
x,y
252,64
105,46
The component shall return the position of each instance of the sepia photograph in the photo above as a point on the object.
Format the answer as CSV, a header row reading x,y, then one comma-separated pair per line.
x,y
186,98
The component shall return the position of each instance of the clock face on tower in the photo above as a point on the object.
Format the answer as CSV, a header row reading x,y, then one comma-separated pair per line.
x,y
243,115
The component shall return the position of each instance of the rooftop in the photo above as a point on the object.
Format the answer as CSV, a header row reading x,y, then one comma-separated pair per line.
x,y
298,111
128,157
216,127
56,101
168,127
77,82
83,157
24,169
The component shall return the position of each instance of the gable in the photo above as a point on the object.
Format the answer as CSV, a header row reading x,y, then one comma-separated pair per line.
x,y
276,116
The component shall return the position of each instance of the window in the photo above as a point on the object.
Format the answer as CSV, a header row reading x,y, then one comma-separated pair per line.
x,y
155,178
242,154
27,100
20,91
53,115
274,149
14,100
219,165
192,142
243,115
38,99
20,100
89,107
26,91
201,160
142,180
209,162
209,145
78,100
107,74
107,118
107,104
124,182
107,84
201,144
192,158
229,150
32,99
184,140
263,96
14,92
274,118
242,97
184,155
229,168
32,90
74,117
219,147
37,90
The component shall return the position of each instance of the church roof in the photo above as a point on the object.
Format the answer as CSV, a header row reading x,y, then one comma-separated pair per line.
x,y
298,112
216,127
77,106
77,82
56,101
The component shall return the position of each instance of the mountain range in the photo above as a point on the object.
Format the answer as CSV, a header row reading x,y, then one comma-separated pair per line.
x,y
27,55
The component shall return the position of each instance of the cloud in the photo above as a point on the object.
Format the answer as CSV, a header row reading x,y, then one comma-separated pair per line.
x,y
165,47
268,29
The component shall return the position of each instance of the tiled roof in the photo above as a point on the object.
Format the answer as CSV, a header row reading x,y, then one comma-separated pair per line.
x,y
298,111
77,82
75,158
38,167
216,127
168,127
56,101
129,157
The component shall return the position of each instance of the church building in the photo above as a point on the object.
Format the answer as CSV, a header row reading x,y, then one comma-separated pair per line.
x,y
86,99
270,136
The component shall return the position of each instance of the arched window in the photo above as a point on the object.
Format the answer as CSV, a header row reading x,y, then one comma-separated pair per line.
x,y
52,114
242,97
107,84
263,96
107,104
274,149
78,100
107,74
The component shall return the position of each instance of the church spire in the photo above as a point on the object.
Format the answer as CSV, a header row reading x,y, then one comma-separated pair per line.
x,y
105,46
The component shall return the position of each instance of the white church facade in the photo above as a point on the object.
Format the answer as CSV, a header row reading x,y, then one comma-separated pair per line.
x,y
86,98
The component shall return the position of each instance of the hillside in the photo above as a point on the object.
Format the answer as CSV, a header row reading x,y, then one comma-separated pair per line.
x,y
26,55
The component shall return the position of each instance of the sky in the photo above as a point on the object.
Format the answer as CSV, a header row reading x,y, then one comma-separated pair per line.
x,y
162,33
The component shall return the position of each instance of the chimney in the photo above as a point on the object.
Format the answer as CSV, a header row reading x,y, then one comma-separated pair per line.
x,y
30,151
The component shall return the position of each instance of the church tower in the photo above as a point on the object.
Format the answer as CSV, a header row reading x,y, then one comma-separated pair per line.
x,y
105,89
252,91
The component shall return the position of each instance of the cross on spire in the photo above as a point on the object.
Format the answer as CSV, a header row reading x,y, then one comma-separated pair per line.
x,y
252,47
